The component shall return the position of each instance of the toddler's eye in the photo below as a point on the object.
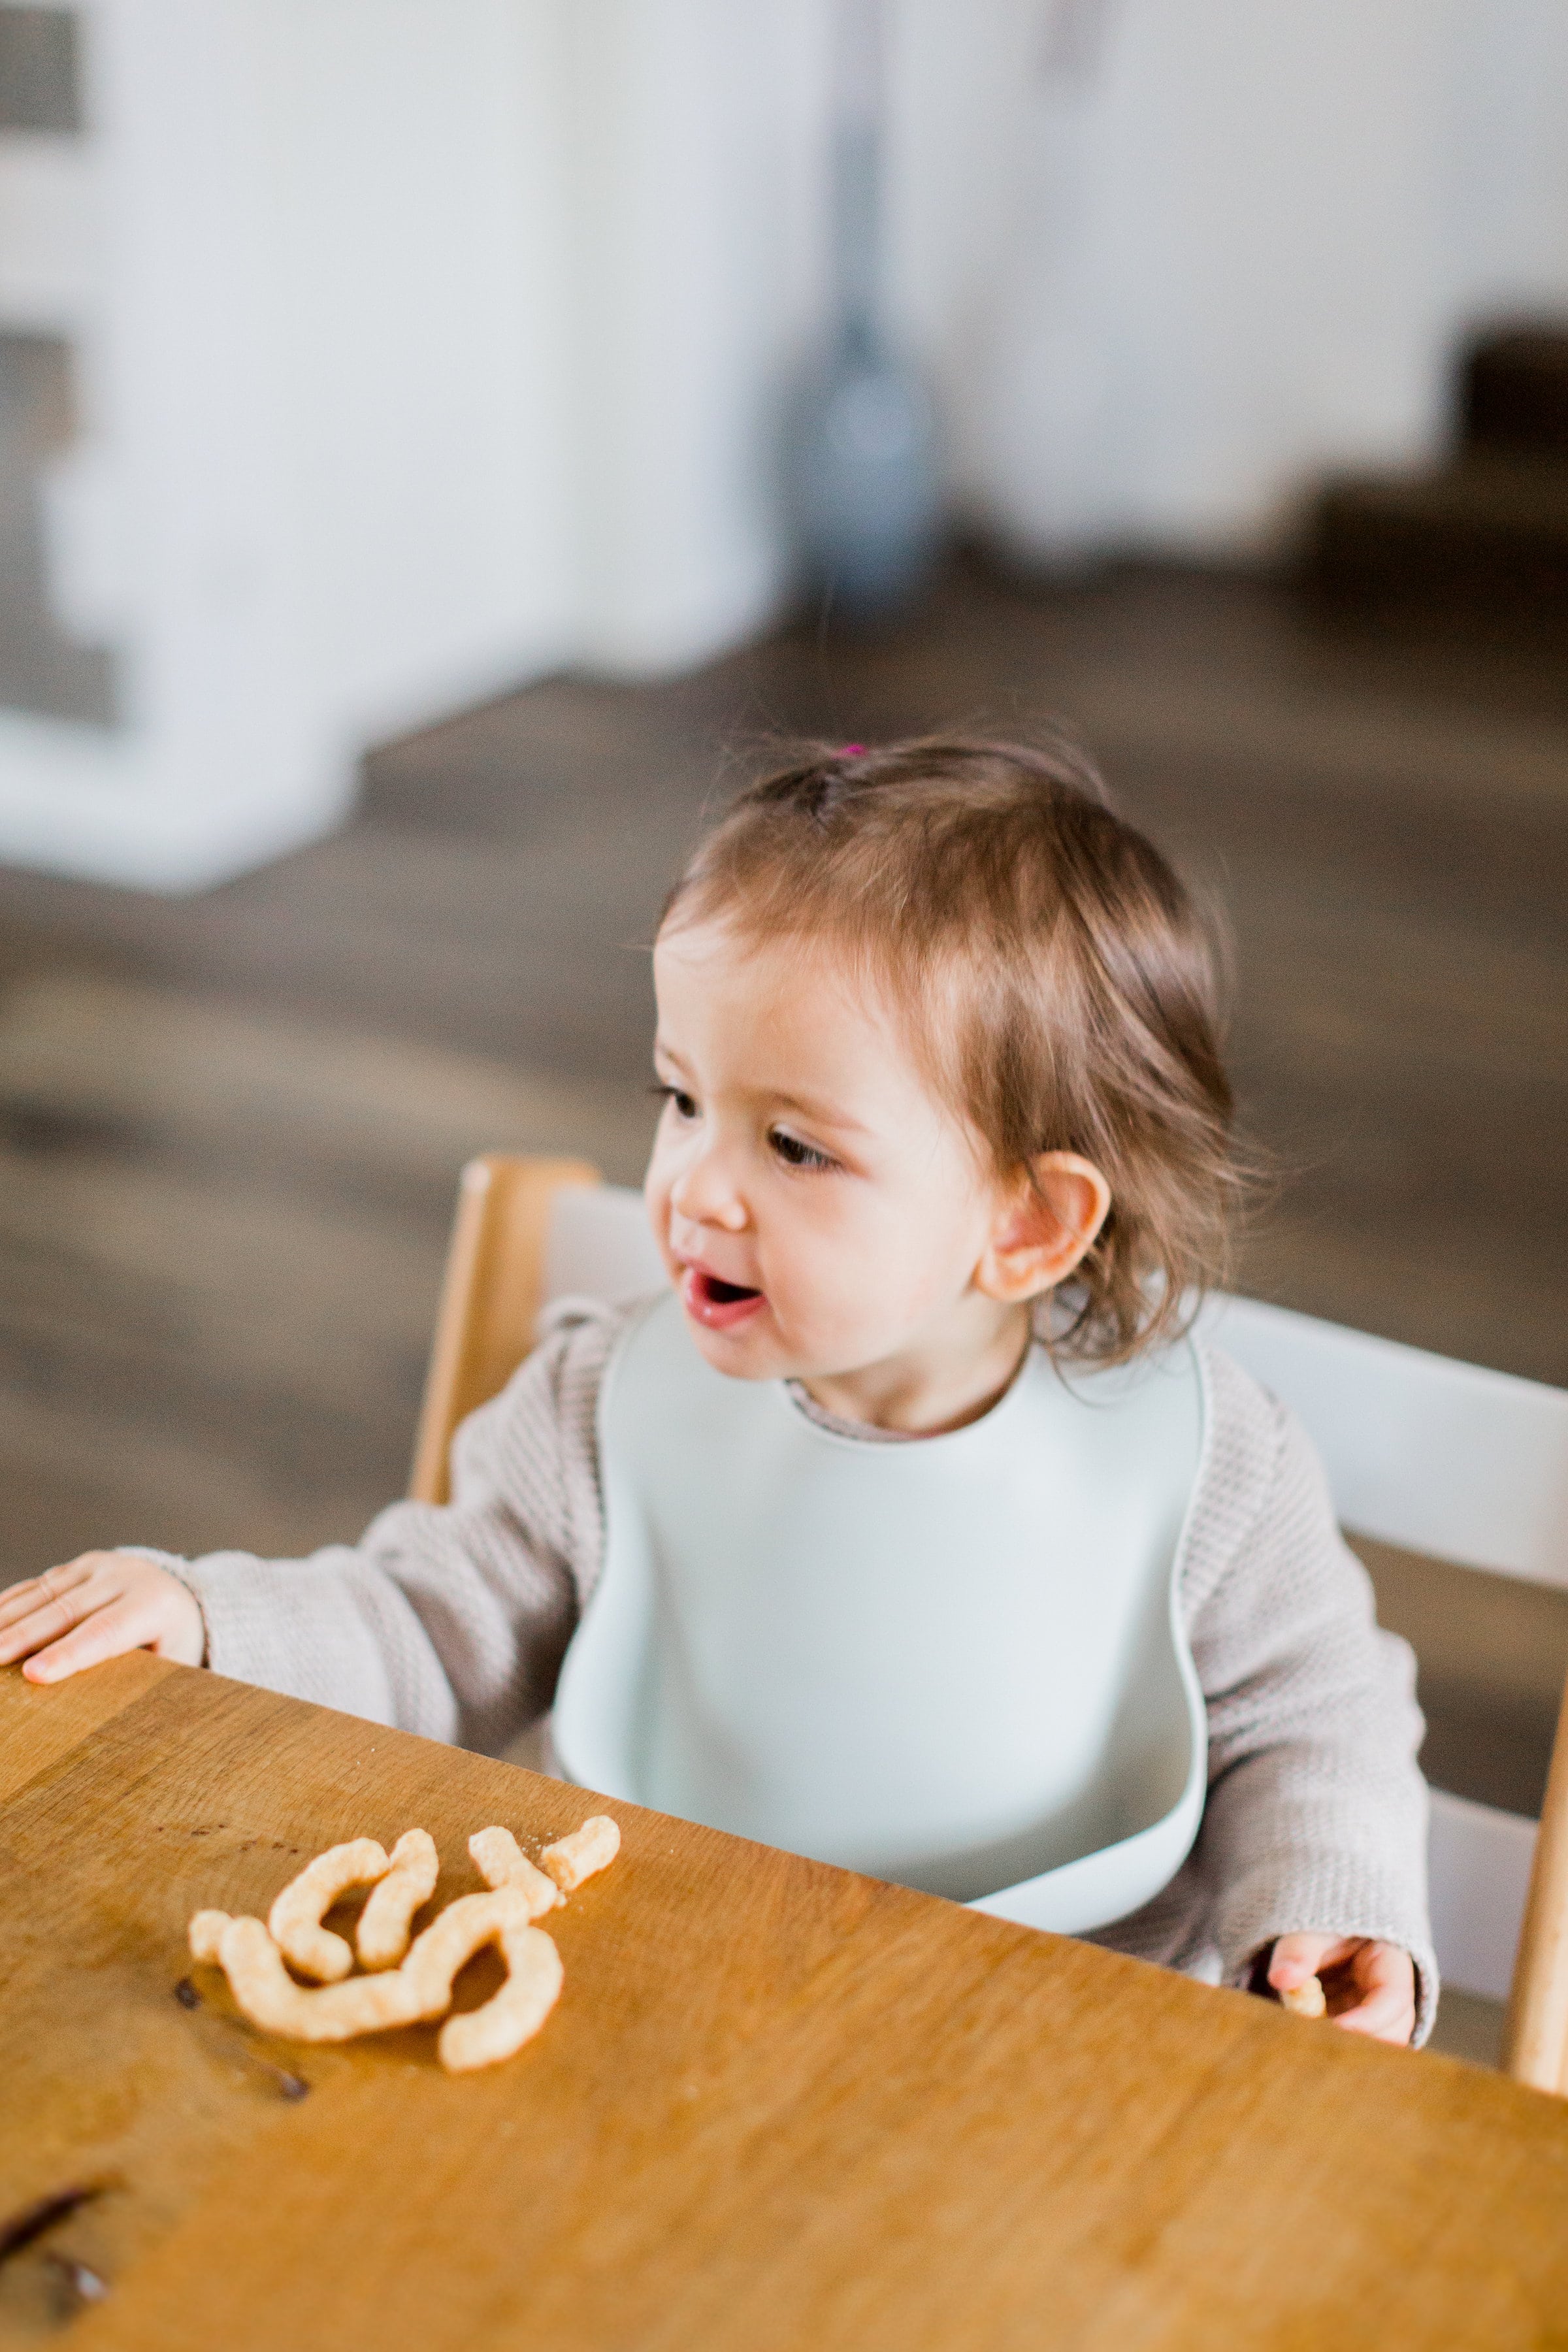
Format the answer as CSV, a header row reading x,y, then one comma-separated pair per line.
x,y
796,1154
684,1107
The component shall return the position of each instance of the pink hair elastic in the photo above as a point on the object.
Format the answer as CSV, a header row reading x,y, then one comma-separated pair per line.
x,y
850,750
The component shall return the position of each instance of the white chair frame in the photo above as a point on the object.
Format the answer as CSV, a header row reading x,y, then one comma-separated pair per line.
x,y
1467,1465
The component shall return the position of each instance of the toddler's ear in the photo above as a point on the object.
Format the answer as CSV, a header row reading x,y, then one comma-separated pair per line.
x,y
1045,1222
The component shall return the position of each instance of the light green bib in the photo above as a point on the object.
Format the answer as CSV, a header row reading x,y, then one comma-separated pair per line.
x,y
956,1663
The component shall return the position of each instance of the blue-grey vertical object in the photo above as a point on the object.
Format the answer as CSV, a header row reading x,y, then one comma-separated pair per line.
x,y
863,480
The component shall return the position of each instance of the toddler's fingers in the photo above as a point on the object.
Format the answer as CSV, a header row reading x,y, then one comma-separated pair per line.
x,y
1384,2018
1384,1977
17,1600
16,1634
105,1632
1298,1957
34,1592
48,1617
160,1621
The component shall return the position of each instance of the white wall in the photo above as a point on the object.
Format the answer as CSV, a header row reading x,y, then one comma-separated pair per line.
x,y
1503,223
305,258
1167,261
1242,243
1241,240
425,344
422,346
683,311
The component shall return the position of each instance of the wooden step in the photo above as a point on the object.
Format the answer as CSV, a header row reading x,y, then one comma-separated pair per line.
x,y
1514,390
1491,528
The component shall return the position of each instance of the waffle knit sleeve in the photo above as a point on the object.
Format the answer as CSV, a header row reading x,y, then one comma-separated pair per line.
x,y
452,1620
1316,1817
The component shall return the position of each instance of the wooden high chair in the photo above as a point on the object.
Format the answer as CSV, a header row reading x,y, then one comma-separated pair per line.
x,y
1437,1457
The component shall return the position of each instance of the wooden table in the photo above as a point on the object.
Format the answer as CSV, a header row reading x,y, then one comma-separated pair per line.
x,y
778,2106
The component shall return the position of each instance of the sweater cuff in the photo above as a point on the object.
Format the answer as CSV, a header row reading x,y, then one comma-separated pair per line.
x,y
246,1633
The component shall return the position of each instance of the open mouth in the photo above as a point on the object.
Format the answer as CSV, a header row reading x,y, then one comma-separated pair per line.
x,y
714,1302
724,1293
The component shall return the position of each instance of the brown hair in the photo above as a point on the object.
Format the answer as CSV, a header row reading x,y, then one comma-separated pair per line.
x,y
1057,982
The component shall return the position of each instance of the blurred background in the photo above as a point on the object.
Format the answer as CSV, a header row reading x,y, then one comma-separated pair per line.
x,y
443,441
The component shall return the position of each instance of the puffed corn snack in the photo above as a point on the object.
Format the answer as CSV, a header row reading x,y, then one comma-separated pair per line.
x,y
411,1980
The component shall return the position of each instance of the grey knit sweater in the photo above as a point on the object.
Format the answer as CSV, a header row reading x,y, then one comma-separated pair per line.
x,y
453,1621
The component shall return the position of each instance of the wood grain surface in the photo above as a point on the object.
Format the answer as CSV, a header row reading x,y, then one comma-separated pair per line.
x,y
779,2106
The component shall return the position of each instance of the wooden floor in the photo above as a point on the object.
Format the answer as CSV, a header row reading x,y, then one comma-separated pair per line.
x,y
230,1126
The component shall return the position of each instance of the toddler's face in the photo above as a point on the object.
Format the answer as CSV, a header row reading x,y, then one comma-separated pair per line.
x,y
820,1210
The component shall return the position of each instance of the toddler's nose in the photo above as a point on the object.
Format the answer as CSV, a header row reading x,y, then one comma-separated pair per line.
x,y
705,1195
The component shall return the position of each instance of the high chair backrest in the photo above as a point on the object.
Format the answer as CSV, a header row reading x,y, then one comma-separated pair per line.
x,y
491,1293
527,1232
1438,1457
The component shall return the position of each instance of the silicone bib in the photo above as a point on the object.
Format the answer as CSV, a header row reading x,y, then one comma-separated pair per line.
x,y
956,1663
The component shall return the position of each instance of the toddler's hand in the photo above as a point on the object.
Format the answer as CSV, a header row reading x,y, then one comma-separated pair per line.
x,y
94,1608
1370,1988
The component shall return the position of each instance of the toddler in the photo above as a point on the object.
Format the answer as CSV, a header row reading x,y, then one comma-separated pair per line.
x,y
910,1529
